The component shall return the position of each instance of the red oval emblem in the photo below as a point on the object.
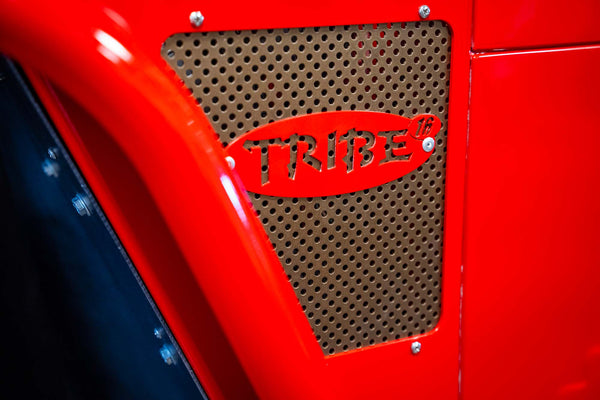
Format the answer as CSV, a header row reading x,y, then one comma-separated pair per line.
x,y
332,152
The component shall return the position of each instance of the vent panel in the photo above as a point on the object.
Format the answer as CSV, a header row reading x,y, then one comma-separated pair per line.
x,y
366,266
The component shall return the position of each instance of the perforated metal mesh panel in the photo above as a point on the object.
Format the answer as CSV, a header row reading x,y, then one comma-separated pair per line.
x,y
366,266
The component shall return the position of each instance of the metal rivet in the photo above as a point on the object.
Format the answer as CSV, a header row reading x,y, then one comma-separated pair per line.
x,y
53,153
168,354
415,347
158,333
424,11
82,204
50,168
428,144
230,161
196,18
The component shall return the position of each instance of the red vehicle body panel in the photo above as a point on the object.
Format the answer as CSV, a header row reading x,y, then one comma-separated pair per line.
x,y
522,24
530,311
172,147
529,327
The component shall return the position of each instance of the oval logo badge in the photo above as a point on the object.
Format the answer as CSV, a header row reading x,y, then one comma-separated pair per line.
x,y
332,153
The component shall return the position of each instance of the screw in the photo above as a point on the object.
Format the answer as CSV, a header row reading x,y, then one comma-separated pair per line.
x,y
424,11
51,168
230,161
168,354
53,153
428,144
415,347
82,204
158,333
196,18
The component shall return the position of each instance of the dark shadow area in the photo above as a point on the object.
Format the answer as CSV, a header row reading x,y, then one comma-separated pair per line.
x,y
76,323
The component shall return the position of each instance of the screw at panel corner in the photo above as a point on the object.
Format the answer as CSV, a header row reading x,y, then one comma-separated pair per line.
x,y
196,19
415,347
424,11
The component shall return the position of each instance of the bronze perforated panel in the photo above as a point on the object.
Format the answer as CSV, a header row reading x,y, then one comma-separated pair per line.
x,y
366,266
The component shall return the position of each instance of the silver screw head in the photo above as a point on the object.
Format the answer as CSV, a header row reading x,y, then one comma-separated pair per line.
x,y
415,347
158,333
53,153
424,11
82,205
428,144
230,161
196,18
50,168
168,354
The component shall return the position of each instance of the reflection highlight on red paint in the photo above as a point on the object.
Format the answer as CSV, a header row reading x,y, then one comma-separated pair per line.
x,y
111,48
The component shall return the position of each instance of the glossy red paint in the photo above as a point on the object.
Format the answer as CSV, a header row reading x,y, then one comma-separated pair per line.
x,y
106,57
531,278
521,24
331,153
